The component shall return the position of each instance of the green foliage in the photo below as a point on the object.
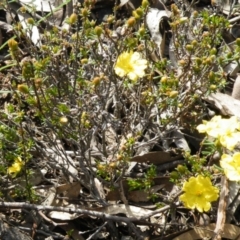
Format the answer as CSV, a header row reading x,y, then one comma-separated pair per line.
x,y
145,183
67,90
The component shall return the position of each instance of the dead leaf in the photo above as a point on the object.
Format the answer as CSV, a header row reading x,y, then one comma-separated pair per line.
x,y
230,232
233,200
226,6
154,20
99,188
64,216
70,190
164,182
141,195
123,2
178,138
155,158
7,27
31,31
43,5
227,105
138,196
121,209
236,88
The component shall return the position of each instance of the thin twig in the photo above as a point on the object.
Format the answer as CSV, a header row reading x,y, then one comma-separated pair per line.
x,y
221,214
17,205
98,230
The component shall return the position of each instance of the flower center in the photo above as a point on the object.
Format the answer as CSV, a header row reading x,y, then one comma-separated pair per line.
x,y
199,193
129,68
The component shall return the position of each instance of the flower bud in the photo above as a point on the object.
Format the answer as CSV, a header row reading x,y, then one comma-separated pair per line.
x,y
38,82
209,61
182,169
145,3
198,61
194,42
205,34
96,81
87,124
119,157
238,42
174,175
113,165
131,21
140,47
176,44
84,61
135,15
30,21
195,14
63,120
110,19
23,88
64,31
183,20
164,79
34,102
213,87
182,62
88,3
84,12
44,48
12,44
139,12
141,31
55,29
173,94
189,47
92,23
213,51
180,105
211,76
27,70
174,9
98,31
73,19
195,96
101,167
144,93
229,55
23,9
196,69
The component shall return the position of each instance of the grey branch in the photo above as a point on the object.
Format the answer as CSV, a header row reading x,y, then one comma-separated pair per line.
x,y
17,205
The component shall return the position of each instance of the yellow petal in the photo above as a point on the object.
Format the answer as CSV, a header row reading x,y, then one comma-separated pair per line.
x,y
130,64
16,167
231,166
199,193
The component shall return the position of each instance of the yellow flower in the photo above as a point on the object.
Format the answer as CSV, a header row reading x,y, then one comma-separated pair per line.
x,y
211,127
231,166
16,167
130,64
225,130
199,193
230,140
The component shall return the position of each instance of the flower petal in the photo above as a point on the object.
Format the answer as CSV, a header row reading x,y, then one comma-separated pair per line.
x,y
199,193
130,64
231,166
